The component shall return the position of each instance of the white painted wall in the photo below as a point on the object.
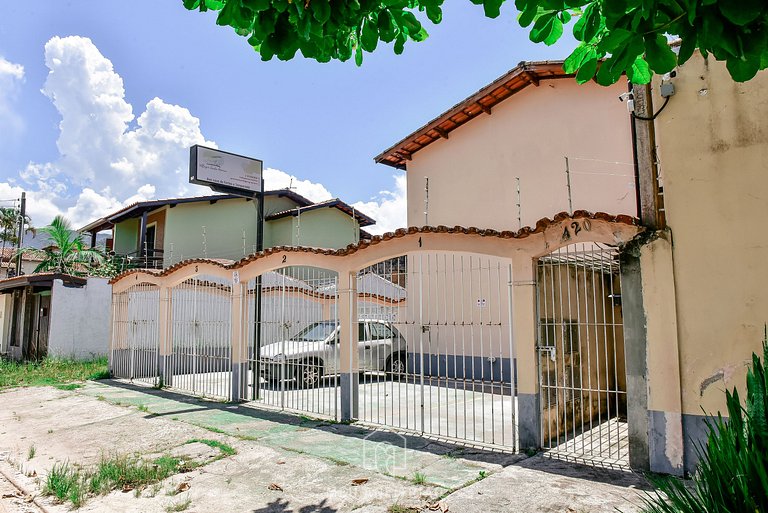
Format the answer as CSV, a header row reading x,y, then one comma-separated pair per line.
x,y
80,319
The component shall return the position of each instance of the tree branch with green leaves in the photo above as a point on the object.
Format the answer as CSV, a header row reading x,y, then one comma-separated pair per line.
x,y
615,37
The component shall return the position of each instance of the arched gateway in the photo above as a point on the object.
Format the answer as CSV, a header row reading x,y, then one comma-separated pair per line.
x,y
502,339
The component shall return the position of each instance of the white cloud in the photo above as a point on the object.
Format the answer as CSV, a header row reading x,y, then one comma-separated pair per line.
x,y
109,157
11,77
389,208
9,69
276,179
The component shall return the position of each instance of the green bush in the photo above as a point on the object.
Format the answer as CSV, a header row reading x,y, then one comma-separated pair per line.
x,y
733,465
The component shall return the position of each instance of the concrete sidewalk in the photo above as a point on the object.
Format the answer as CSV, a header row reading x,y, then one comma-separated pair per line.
x,y
284,463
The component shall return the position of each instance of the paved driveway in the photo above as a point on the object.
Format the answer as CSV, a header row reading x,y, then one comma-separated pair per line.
x,y
284,463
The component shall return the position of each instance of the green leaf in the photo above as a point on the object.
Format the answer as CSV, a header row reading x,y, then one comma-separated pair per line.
x,y
547,29
744,69
741,12
639,72
370,36
527,16
659,55
492,8
587,70
321,10
359,56
435,13
587,26
577,57
387,30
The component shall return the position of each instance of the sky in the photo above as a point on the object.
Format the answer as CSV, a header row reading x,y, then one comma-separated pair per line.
x,y
100,101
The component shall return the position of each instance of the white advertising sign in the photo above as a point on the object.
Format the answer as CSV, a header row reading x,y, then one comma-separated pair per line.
x,y
215,167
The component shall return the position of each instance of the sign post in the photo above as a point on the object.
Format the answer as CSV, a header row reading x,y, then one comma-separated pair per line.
x,y
238,175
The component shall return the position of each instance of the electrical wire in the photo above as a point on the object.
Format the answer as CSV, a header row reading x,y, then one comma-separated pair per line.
x,y
666,101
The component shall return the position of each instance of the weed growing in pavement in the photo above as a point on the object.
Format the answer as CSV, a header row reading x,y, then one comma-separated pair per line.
x,y
143,407
225,449
180,506
31,452
69,483
419,478
65,483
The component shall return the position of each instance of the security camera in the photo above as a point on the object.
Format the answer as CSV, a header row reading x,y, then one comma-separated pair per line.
x,y
626,97
630,99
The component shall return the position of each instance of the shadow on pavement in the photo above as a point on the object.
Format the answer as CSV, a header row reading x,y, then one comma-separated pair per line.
x,y
417,443
283,506
552,465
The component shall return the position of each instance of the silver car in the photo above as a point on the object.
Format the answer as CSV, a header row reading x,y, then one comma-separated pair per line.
x,y
314,352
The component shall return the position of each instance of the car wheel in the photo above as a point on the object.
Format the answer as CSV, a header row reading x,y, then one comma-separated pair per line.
x,y
309,374
396,365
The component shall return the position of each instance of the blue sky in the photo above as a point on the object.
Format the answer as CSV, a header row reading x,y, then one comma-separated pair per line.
x,y
90,124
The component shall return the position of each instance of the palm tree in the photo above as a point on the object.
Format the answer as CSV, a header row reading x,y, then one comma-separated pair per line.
x,y
66,252
9,227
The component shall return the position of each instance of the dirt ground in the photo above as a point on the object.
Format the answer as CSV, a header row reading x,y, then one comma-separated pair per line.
x,y
284,463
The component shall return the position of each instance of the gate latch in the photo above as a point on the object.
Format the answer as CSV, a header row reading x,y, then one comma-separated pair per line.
x,y
547,349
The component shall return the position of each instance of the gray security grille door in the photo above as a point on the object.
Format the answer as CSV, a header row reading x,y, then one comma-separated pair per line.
x,y
581,355
293,356
201,349
134,349
435,347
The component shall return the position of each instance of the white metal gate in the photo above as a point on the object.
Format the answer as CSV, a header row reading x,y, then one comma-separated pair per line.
x,y
134,348
293,357
436,347
200,361
581,355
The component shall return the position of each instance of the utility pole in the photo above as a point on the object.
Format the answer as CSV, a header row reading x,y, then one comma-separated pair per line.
x,y
256,394
20,239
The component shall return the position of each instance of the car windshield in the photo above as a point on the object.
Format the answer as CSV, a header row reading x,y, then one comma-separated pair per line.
x,y
316,332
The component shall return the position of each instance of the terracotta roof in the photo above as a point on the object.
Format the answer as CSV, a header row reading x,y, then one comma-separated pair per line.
x,y
541,226
483,101
363,219
7,254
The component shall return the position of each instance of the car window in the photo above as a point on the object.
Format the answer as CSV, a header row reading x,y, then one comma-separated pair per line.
x,y
361,332
380,331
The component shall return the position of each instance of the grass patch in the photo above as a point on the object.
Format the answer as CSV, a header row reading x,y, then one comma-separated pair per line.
x,y
225,449
143,407
419,478
66,482
179,506
51,372
69,386
31,452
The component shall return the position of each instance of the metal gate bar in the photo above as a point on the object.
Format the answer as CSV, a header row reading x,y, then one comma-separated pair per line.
x,y
581,347
293,355
445,364
134,348
201,349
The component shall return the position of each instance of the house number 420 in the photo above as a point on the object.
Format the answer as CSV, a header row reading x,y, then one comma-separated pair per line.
x,y
573,228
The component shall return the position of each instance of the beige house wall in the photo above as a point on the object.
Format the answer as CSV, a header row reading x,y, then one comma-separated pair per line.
x,y
472,174
704,295
713,148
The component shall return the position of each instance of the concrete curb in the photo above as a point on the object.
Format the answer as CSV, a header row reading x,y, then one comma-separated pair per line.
x,y
22,489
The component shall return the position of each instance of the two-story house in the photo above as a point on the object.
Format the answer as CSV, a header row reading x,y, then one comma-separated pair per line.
x,y
160,233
